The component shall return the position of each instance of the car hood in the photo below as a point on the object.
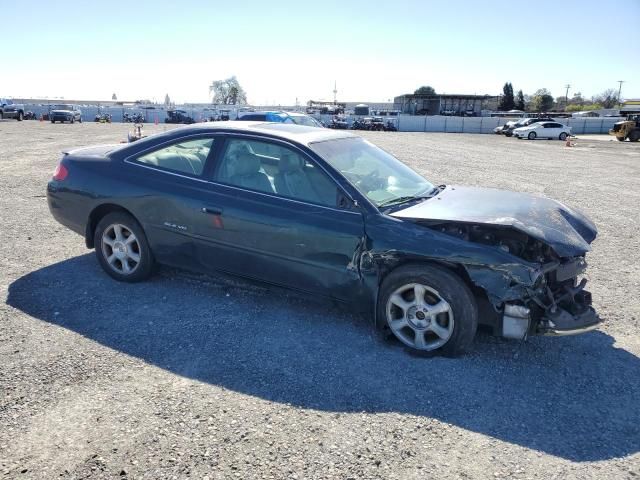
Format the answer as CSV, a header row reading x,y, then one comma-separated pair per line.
x,y
564,229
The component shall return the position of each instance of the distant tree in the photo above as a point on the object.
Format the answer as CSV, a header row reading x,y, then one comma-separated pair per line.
x,y
520,105
577,99
228,92
113,97
425,90
541,101
507,102
608,98
167,100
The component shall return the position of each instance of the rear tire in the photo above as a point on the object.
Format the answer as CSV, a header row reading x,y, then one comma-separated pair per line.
x,y
620,139
532,136
122,248
438,314
634,136
563,136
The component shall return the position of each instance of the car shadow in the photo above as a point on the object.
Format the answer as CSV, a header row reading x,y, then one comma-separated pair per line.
x,y
574,397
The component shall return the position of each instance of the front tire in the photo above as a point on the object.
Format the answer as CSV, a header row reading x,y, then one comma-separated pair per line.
x,y
429,309
122,248
20,116
532,136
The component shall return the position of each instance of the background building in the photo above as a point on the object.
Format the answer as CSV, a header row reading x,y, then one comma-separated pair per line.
x,y
445,104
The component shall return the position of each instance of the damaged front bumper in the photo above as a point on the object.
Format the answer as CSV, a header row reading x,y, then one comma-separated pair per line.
x,y
551,301
559,307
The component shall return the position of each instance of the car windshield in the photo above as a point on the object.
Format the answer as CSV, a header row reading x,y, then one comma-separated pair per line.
x,y
62,107
375,173
304,120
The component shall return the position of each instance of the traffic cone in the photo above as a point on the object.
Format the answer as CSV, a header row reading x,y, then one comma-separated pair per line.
x,y
156,122
568,142
41,118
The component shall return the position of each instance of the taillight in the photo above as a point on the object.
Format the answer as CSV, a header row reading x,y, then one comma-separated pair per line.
x,y
60,173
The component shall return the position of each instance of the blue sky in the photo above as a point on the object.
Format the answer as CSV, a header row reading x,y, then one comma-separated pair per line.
x,y
283,50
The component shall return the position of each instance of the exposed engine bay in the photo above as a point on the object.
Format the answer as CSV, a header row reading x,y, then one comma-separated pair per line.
x,y
511,241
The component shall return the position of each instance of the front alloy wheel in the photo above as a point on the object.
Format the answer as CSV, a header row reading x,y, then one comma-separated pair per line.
x,y
419,317
428,308
531,136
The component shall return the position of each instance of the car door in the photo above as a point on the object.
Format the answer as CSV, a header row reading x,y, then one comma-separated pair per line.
x,y
170,194
551,130
273,214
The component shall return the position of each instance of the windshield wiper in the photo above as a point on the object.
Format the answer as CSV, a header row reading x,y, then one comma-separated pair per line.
x,y
410,198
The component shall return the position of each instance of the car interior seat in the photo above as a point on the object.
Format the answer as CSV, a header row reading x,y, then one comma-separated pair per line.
x,y
247,174
292,181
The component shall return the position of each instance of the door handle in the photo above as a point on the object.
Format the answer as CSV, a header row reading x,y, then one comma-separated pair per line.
x,y
212,210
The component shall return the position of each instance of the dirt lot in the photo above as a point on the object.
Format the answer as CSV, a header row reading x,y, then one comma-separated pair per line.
x,y
189,376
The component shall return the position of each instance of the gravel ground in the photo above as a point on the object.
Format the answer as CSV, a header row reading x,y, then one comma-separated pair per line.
x,y
189,376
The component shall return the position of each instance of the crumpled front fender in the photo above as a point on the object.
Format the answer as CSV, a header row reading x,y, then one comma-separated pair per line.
x,y
503,283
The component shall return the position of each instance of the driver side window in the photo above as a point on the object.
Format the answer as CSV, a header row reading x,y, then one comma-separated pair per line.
x,y
276,169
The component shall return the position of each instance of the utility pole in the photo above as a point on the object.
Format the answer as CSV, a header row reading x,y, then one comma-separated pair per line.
x,y
620,82
335,92
566,96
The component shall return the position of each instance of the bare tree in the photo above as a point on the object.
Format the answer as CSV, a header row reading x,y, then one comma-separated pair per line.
x,y
608,98
228,92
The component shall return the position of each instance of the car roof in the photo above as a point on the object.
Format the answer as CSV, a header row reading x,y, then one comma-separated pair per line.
x,y
287,131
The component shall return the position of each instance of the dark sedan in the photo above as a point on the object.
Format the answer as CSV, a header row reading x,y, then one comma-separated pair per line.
x,y
326,212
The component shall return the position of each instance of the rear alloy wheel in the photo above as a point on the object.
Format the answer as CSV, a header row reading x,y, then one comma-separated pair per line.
x,y
122,248
429,309
532,136
563,136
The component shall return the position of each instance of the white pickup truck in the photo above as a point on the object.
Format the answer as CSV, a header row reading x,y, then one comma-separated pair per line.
x,y
8,109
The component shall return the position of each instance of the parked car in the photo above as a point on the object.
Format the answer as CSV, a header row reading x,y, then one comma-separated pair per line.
x,y
177,116
338,122
65,113
508,128
543,130
8,109
281,117
326,212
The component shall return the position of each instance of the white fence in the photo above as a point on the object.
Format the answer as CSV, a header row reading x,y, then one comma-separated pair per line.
x,y
411,123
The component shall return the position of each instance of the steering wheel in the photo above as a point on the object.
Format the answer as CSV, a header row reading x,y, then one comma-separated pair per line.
x,y
372,181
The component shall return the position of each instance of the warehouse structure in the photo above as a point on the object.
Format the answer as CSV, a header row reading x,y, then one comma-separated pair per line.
x,y
445,104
